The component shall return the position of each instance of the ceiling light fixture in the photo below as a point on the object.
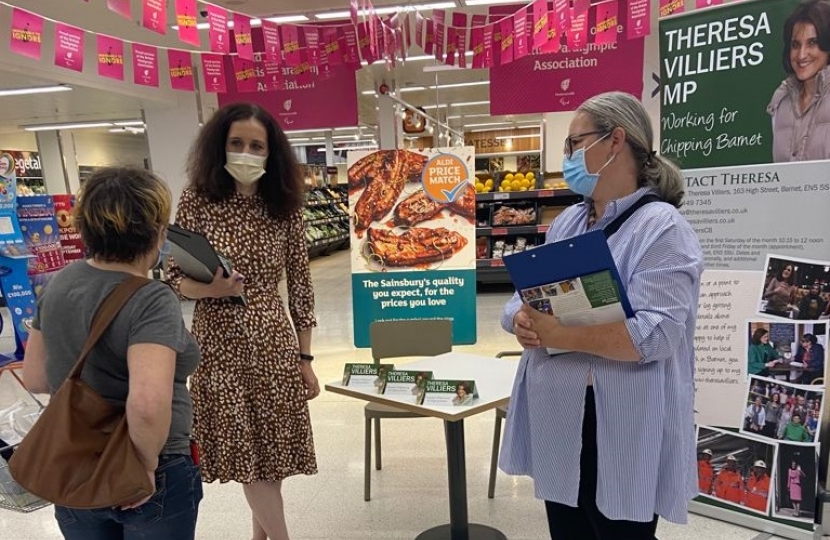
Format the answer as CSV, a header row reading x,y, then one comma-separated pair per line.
x,y
34,90
385,10
81,125
508,137
461,104
255,21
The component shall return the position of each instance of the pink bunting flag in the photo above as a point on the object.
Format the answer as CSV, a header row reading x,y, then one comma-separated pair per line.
x,y
271,40
121,7
452,40
580,7
180,66
218,33
291,45
242,36
670,7
638,24
606,22
155,15
562,15
375,36
26,33
439,17
186,15
110,57
459,21
540,23
364,42
554,42
508,39
331,46
707,3
520,34
477,40
420,24
213,73
274,78
353,9
429,37
244,75
145,65
578,35
348,43
489,59
69,47
312,45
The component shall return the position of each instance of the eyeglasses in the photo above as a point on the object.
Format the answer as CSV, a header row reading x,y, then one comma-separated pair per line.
x,y
575,139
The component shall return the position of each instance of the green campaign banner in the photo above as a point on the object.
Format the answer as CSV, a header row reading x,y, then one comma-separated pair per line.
x,y
719,69
413,238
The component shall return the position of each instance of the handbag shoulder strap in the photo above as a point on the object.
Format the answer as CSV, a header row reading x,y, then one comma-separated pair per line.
x,y
615,225
104,316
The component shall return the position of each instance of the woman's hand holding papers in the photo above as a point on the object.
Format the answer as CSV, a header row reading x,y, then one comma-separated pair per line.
x,y
524,330
222,286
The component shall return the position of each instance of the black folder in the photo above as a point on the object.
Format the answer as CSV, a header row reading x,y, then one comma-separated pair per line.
x,y
196,257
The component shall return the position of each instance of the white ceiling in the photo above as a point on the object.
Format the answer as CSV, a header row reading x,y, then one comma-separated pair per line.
x,y
94,99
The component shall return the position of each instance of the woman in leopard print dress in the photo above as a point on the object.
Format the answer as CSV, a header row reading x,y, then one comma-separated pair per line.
x,y
250,392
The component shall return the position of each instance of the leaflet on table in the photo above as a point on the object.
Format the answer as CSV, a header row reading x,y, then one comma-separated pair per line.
x,y
587,300
366,376
444,393
405,385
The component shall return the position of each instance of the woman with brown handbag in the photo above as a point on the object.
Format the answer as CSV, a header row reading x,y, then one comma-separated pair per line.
x,y
142,361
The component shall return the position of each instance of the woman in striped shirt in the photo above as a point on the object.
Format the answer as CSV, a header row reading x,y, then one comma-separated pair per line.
x,y
627,387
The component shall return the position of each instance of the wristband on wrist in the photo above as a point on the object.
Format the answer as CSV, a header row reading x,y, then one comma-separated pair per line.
x,y
306,357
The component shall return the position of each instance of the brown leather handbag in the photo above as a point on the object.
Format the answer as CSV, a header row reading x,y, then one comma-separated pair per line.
x,y
79,453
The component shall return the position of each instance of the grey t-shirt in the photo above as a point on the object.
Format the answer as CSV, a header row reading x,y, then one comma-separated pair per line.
x,y
153,315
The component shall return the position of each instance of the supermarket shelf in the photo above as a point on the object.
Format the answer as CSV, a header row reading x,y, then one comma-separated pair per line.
x,y
489,263
511,230
314,204
525,195
323,221
326,241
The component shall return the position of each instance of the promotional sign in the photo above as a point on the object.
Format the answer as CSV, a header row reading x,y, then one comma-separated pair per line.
x,y
299,106
180,65
413,238
762,325
186,14
213,73
155,15
218,33
110,57
39,225
26,33
741,47
670,7
122,7
606,22
145,65
70,238
638,23
242,36
562,81
69,47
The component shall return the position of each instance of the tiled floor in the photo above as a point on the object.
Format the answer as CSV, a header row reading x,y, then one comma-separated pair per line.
x,y
410,494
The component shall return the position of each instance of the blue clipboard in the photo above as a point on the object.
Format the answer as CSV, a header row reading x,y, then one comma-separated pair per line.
x,y
567,259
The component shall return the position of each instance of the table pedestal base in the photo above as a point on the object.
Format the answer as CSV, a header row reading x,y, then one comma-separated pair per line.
x,y
476,532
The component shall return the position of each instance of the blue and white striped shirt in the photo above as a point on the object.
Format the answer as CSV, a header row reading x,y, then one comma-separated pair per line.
x,y
645,410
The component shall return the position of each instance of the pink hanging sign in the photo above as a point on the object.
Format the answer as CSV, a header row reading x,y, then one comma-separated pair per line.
x,y
670,7
274,77
606,17
477,40
520,33
508,38
420,23
580,7
244,75
26,33
145,65
213,73
429,37
242,36
439,16
554,42
459,21
540,24
489,59
69,47
110,57
155,15
365,43
291,45
348,43
271,40
353,9
331,46
122,7
186,21
562,17
578,35
218,33
312,45
638,24
180,66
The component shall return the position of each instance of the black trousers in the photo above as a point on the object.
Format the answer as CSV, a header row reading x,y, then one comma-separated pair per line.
x,y
586,522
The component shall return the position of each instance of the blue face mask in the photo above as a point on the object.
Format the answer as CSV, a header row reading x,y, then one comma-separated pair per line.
x,y
164,251
576,173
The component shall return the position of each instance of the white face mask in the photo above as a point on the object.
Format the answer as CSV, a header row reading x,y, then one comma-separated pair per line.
x,y
245,168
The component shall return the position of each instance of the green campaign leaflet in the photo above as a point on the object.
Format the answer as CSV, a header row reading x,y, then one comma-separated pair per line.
x,y
405,385
446,393
366,376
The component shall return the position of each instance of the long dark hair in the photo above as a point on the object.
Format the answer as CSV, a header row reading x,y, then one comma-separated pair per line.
x,y
282,186
757,335
815,12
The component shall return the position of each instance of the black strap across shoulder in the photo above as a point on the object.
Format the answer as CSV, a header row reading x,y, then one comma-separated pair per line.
x,y
615,225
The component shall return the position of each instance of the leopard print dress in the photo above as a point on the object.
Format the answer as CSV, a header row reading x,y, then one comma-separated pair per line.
x,y
250,416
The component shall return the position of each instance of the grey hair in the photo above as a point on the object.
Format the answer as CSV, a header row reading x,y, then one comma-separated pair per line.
x,y
620,110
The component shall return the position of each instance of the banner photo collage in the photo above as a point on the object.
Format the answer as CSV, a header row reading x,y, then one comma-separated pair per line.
x,y
756,194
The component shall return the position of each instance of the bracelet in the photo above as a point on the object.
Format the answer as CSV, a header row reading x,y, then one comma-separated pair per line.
x,y
306,357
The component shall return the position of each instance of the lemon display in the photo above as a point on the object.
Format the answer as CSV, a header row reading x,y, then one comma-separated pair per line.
x,y
516,184
525,183
530,176
518,176
488,183
509,177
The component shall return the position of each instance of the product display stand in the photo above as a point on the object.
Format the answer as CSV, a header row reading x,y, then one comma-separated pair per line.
x,y
494,381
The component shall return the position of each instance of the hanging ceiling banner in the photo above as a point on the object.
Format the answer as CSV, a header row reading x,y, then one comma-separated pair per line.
x,y
69,47
242,36
180,66
121,7
540,24
186,15
213,73
670,7
155,15
26,33
145,65
606,22
218,33
638,24
271,41
110,57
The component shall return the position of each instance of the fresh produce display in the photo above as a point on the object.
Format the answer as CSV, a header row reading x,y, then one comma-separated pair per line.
x,y
518,182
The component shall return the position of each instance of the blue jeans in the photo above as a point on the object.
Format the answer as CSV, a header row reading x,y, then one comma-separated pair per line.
x,y
169,515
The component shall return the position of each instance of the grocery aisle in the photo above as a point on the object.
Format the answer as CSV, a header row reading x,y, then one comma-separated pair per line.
x,y
409,495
